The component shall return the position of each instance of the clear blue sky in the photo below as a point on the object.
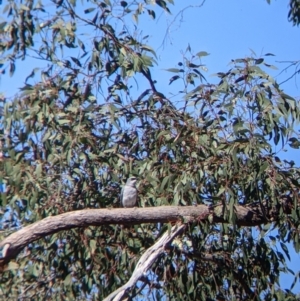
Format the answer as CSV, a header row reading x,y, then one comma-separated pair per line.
x,y
227,29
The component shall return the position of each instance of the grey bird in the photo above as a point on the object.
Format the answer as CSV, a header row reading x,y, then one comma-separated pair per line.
x,y
129,193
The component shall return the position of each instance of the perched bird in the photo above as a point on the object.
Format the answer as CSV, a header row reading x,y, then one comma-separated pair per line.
x,y
129,193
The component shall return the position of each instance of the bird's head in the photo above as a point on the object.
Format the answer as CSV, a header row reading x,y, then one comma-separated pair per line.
x,y
131,181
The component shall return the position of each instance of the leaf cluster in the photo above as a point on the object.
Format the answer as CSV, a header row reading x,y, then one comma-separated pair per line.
x,y
72,137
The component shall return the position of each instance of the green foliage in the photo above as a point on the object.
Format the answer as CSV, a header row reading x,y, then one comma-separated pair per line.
x,y
294,12
77,129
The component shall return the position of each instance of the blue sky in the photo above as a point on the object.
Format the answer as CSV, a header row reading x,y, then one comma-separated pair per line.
x,y
225,29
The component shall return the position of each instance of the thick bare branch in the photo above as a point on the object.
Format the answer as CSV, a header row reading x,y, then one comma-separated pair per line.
x,y
145,262
14,243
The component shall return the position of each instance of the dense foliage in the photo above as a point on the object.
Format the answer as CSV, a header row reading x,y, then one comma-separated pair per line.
x,y
294,12
79,127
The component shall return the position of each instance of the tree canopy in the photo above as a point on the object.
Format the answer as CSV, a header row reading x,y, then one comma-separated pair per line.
x,y
294,12
211,186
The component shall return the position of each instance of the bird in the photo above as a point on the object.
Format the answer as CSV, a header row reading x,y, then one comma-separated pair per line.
x,y
128,195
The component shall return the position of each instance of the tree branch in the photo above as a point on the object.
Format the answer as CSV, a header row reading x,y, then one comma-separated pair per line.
x,y
13,244
145,262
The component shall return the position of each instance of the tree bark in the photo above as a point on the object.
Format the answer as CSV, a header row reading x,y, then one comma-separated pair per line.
x,y
12,245
145,262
